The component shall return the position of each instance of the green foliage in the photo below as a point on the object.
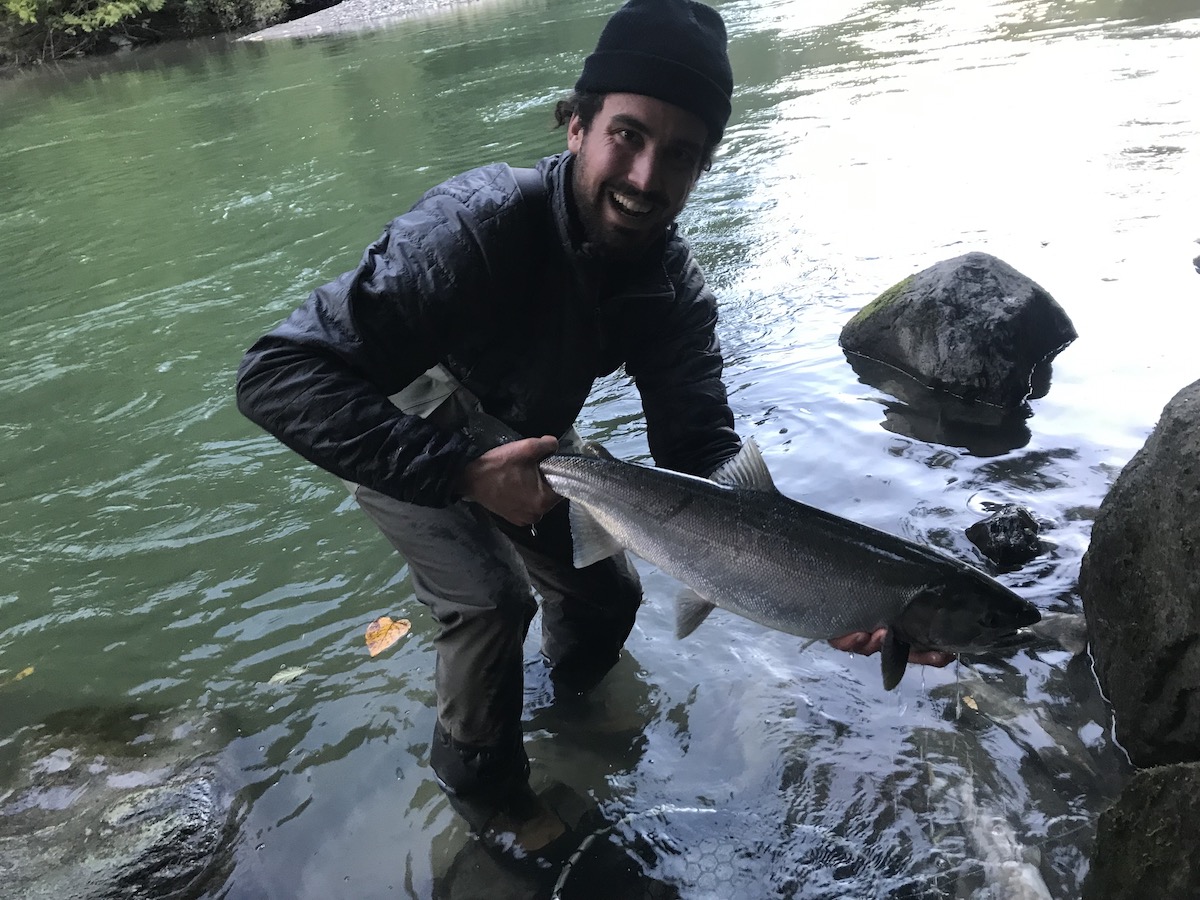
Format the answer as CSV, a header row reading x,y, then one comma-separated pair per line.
x,y
228,15
40,30
72,16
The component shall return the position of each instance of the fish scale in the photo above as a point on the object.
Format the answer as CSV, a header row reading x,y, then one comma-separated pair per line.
x,y
747,551
747,548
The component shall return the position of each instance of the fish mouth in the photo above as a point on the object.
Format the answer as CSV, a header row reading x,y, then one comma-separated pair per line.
x,y
1008,639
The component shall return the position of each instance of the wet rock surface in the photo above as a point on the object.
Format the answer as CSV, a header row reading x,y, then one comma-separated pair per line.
x,y
1140,584
114,804
972,326
1008,537
1145,846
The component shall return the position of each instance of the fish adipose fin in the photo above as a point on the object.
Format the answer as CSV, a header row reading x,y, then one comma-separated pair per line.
x,y
747,470
893,659
590,541
690,610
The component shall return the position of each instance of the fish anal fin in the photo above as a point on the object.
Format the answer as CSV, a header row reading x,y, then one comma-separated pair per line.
x,y
893,658
748,470
690,610
590,541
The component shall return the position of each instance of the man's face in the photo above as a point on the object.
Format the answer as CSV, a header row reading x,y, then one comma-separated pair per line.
x,y
635,166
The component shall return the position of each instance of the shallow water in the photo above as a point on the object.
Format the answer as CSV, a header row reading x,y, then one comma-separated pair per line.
x,y
164,208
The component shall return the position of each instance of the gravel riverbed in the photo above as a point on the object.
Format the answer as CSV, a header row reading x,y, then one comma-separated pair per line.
x,y
357,15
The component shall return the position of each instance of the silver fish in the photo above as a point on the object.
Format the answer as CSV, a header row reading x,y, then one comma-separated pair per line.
x,y
740,544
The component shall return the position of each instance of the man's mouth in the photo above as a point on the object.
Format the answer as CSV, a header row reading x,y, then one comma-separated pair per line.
x,y
629,205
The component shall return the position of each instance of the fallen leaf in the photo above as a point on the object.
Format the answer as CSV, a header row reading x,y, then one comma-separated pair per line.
x,y
24,673
384,632
283,676
970,701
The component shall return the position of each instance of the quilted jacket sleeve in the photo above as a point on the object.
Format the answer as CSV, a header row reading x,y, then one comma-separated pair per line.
x,y
319,382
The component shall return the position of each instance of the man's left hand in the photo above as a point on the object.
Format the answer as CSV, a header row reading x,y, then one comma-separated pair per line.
x,y
869,642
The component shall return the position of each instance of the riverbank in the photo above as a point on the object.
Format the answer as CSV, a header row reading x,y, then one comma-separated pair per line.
x,y
25,45
357,15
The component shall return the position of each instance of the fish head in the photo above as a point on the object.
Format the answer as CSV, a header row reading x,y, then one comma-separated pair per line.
x,y
965,613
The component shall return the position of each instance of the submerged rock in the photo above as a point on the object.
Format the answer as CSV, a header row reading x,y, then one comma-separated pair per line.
x,y
1008,537
1140,584
972,326
114,804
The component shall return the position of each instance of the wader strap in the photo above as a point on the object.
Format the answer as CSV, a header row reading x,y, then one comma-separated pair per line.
x,y
530,185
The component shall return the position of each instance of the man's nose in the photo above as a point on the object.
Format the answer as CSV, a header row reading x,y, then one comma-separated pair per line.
x,y
644,172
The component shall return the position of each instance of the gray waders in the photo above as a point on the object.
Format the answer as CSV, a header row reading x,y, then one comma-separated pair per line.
x,y
474,572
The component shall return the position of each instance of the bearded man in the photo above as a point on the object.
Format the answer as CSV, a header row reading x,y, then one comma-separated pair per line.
x,y
505,293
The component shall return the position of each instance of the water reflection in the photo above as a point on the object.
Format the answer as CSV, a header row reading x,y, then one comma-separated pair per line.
x,y
599,738
936,417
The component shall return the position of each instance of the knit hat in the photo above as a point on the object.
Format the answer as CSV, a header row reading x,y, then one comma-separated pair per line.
x,y
673,50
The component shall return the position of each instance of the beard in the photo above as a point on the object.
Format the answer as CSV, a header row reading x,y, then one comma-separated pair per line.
x,y
603,239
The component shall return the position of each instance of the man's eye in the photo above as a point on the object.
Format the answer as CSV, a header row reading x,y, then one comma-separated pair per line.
x,y
685,159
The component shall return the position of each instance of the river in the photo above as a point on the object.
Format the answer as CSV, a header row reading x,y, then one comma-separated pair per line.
x,y
163,208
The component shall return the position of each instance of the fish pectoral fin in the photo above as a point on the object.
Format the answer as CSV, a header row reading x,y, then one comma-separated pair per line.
x,y
748,470
595,450
690,610
893,658
590,541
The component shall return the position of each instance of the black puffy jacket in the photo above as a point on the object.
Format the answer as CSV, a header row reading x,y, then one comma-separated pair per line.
x,y
495,289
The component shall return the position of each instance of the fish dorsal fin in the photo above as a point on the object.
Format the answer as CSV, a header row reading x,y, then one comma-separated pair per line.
x,y
590,541
690,610
893,658
748,470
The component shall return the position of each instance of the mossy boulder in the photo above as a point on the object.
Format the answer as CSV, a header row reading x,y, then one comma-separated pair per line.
x,y
972,326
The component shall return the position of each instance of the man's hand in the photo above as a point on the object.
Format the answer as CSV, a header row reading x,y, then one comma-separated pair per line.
x,y
506,480
869,642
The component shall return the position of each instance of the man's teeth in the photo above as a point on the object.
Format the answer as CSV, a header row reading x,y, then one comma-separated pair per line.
x,y
630,205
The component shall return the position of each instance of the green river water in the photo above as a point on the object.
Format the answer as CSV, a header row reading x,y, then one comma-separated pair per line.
x,y
163,208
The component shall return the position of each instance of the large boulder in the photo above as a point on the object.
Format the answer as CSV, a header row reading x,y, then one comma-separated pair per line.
x,y
106,804
972,326
1140,584
1145,844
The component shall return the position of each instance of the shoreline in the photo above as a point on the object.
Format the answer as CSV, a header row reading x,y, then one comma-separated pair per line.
x,y
357,15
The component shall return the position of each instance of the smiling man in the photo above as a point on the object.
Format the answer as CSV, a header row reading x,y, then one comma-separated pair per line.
x,y
500,297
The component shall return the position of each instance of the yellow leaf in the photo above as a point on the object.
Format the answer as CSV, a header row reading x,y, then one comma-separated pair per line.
x,y
24,673
384,632
970,701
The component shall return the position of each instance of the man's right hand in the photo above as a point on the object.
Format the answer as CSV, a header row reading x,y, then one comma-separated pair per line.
x,y
507,481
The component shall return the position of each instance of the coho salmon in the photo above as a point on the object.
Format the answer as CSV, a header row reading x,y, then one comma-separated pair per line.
x,y
740,544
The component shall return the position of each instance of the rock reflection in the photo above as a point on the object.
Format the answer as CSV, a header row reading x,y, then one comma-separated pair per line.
x,y
936,417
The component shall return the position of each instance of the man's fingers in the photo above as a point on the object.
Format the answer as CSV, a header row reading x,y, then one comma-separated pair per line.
x,y
867,643
936,658
856,642
539,448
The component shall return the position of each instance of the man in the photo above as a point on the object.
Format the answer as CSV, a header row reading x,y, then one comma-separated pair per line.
x,y
493,299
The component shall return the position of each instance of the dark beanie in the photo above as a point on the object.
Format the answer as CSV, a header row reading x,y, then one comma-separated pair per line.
x,y
673,50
